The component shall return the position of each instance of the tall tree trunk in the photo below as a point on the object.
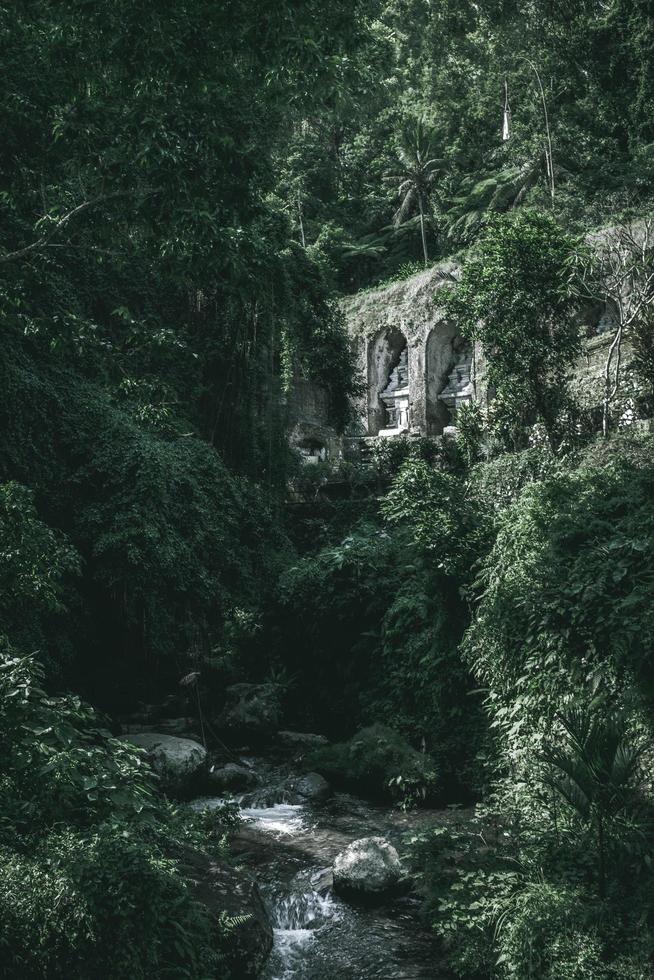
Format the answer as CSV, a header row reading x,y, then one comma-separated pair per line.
x,y
611,389
602,855
422,229
299,211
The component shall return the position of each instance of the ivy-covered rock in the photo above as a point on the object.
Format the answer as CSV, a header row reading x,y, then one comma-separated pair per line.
x,y
231,777
378,761
251,710
177,761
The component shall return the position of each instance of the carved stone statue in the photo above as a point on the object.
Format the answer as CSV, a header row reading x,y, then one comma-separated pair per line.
x,y
396,398
459,388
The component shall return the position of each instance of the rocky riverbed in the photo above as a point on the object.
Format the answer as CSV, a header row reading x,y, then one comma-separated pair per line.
x,y
289,843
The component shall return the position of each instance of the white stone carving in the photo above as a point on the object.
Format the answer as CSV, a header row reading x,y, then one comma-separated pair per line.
x,y
396,399
459,389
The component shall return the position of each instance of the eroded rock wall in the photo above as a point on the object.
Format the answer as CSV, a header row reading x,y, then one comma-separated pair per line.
x,y
444,371
378,318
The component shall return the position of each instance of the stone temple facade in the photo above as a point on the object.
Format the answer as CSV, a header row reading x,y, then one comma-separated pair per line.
x,y
417,369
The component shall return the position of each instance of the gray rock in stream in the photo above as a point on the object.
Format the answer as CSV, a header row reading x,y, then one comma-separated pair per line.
x,y
296,790
177,761
368,868
312,787
231,777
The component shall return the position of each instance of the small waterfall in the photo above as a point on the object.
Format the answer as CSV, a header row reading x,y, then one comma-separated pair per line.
x,y
303,910
297,917
281,819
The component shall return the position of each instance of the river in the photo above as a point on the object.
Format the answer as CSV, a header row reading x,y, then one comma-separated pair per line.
x,y
290,847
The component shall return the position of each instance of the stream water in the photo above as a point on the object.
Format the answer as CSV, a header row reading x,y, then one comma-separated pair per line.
x,y
290,848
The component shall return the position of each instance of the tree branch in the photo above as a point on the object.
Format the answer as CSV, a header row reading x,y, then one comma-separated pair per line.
x,y
64,220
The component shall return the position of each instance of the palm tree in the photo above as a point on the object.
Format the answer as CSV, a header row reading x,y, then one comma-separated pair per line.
x,y
415,179
595,771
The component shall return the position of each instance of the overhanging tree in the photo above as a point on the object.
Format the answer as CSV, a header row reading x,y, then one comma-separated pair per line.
x,y
514,296
617,269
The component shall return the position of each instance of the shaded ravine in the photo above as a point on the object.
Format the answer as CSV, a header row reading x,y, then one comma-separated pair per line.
x,y
290,848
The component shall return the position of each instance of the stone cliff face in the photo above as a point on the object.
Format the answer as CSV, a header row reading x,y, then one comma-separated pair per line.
x,y
417,370
443,369
588,376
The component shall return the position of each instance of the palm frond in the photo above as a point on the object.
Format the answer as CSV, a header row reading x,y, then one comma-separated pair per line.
x,y
406,207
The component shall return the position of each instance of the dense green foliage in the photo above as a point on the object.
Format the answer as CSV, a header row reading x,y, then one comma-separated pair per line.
x,y
445,63
560,640
155,312
379,648
89,881
380,762
514,297
155,308
184,188
533,571
166,533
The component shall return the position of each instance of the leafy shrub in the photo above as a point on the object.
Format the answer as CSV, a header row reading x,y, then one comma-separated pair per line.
x,y
430,503
168,539
387,456
378,760
540,936
553,932
595,768
470,426
560,637
500,914
467,880
60,762
103,903
497,483
514,296
89,884
35,562
564,607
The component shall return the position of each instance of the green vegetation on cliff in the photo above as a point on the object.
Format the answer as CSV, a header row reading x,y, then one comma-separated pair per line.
x,y
184,188
576,79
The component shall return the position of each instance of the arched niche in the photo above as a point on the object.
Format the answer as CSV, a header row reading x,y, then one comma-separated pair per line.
x,y
312,451
384,354
445,351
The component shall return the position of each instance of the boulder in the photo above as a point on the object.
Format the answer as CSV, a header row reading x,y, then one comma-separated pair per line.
x,y
231,777
251,710
312,787
226,892
296,790
267,796
301,740
378,761
368,868
177,761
